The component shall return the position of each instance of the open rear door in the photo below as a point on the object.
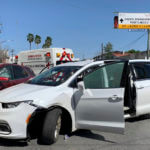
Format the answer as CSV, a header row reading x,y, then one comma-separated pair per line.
x,y
142,85
100,106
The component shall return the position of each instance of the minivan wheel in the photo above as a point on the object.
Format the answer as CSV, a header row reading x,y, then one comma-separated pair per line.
x,y
51,127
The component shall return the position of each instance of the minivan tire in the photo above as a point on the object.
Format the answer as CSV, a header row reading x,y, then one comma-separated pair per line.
x,y
51,127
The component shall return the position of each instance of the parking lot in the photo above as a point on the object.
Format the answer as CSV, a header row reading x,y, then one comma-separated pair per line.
x,y
137,136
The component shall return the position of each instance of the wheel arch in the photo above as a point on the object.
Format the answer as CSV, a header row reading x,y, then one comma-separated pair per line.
x,y
35,124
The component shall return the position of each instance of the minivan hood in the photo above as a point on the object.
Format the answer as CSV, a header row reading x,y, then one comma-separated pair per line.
x,y
25,91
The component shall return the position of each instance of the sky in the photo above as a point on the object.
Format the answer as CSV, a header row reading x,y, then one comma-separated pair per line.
x,y
82,25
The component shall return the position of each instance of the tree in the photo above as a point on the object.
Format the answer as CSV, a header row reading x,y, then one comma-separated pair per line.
x,y
44,46
30,38
3,55
108,50
37,40
133,51
48,42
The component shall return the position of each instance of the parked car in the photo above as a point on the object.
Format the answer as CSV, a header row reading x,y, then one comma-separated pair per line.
x,y
82,95
12,74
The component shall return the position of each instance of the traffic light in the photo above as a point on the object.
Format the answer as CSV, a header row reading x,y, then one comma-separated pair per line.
x,y
116,22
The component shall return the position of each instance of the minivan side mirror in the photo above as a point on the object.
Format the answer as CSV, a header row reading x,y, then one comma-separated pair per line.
x,y
81,86
4,79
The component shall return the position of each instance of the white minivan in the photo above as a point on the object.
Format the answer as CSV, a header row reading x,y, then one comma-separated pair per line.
x,y
81,95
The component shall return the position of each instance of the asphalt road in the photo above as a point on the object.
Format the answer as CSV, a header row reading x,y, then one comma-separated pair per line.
x,y
136,137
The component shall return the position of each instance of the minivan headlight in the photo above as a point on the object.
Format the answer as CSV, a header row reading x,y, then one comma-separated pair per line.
x,y
15,104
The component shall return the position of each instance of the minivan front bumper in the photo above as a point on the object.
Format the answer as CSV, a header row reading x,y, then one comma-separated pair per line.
x,y
14,121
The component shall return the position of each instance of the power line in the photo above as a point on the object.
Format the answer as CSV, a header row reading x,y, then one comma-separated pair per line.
x,y
134,41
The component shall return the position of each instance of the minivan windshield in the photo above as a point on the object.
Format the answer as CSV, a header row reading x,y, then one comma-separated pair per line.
x,y
54,76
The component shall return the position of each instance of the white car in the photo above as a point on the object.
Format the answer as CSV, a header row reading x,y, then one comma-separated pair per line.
x,y
82,95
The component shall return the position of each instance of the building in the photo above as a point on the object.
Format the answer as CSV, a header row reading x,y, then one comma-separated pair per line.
x,y
124,55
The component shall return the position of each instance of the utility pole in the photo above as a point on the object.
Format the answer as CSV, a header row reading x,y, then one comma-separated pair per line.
x,y
12,55
148,43
0,29
102,50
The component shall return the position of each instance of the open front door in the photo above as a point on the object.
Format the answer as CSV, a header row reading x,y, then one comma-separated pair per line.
x,y
100,106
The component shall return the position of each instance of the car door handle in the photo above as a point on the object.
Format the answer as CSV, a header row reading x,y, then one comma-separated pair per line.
x,y
140,87
114,98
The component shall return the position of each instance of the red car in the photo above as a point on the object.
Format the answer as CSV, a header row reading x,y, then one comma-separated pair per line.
x,y
12,74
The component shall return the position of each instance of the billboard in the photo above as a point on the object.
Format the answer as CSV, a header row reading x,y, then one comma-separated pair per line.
x,y
133,20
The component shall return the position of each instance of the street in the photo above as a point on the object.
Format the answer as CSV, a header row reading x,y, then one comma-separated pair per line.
x,y
136,137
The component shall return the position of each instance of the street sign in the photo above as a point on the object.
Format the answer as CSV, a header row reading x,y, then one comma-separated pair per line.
x,y
134,20
137,30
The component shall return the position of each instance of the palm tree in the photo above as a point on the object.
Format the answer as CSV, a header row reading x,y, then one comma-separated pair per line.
x,y
44,46
30,38
37,40
48,42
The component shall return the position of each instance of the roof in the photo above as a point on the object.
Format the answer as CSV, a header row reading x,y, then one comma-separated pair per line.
x,y
43,50
86,62
78,63
13,64
139,60
120,54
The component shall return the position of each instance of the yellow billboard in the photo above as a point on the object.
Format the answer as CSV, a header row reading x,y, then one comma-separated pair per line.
x,y
134,21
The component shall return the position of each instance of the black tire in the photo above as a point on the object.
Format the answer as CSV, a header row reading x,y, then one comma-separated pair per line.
x,y
51,127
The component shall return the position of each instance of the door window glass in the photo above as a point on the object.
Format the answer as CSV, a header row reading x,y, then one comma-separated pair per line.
x,y
29,70
108,76
19,72
142,70
81,75
5,71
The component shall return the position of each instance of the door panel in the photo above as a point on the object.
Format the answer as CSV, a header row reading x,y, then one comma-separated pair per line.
x,y
142,84
100,105
96,110
20,74
142,97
